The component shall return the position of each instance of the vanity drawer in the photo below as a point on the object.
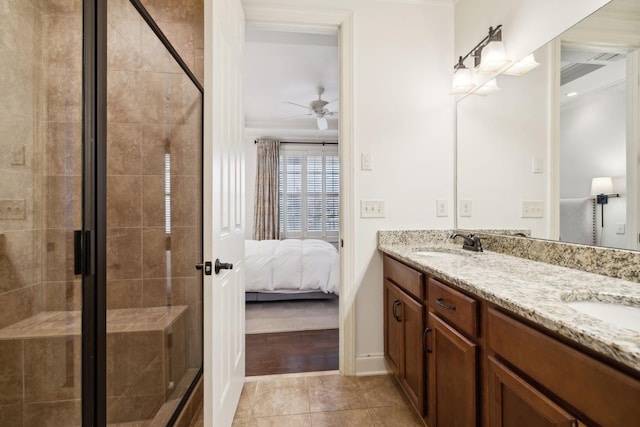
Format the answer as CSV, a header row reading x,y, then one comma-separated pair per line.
x,y
405,277
449,304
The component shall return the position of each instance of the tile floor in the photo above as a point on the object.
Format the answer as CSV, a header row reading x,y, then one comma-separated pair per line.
x,y
322,400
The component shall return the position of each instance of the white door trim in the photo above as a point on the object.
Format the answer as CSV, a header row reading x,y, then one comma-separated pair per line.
x,y
342,20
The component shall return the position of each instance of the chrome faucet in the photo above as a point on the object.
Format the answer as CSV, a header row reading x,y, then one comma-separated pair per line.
x,y
471,242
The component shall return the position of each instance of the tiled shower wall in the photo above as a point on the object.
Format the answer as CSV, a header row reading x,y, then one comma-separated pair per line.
x,y
153,141
40,124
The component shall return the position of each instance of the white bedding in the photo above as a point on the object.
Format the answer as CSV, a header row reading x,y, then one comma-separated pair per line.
x,y
291,264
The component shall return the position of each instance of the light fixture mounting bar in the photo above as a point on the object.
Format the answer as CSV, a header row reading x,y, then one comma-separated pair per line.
x,y
495,34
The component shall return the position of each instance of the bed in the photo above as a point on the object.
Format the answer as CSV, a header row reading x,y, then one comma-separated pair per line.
x,y
291,269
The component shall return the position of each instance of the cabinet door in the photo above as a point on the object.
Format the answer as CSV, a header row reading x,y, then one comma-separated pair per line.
x,y
412,376
392,327
515,403
452,376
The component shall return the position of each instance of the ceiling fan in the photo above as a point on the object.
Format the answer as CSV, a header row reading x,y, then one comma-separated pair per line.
x,y
318,108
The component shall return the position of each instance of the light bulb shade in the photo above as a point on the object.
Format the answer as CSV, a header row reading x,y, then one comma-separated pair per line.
x,y
322,123
462,81
523,66
487,88
492,58
601,185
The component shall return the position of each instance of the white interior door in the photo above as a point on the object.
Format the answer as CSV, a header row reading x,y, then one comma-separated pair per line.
x,y
223,231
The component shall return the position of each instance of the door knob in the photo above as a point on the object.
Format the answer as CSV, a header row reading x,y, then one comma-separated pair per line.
x,y
222,266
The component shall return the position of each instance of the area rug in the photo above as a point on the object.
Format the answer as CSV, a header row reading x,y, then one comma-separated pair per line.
x,y
287,316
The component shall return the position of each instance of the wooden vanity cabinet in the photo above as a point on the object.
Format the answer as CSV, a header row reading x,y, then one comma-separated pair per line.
x,y
404,328
452,356
596,392
479,364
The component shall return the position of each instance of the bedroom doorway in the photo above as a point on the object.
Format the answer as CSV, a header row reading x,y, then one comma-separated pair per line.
x,y
292,277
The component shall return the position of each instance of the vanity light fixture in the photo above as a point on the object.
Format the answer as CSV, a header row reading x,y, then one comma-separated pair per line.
x,y
602,188
487,88
489,57
462,78
523,66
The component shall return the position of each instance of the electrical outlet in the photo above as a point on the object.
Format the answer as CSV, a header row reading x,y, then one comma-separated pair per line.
x,y
442,208
371,209
536,165
532,209
620,228
465,208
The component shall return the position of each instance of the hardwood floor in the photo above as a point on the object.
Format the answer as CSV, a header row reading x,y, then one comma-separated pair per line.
x,y
291,352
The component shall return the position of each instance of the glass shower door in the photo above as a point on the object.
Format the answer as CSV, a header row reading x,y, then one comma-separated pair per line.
x,y
40,207
154,191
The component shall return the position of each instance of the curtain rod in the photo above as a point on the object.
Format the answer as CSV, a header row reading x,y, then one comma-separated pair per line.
x,y
304,142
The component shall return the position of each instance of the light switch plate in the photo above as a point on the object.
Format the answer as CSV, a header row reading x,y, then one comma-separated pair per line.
x,y
366,162
620,228
532,209
371,209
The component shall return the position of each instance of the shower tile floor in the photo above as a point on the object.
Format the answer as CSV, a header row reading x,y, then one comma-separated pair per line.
x,y
317,400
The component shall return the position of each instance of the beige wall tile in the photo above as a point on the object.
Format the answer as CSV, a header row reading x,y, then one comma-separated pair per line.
x,y
135,364
156,142
52,369
20,259
124,293
124,253
63,145
184,193
63,205
154,201
19,305
62,296
58,255
11,363
184,251
124,149
11,415
50,414
64,95
124,201
154,56
124,104
154,245
123,40
64,6
63,41
132,408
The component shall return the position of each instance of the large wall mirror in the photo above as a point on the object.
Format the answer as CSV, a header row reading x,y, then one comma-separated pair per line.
x,y
527,155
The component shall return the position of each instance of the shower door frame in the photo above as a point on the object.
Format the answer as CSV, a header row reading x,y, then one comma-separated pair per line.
x,y
93,245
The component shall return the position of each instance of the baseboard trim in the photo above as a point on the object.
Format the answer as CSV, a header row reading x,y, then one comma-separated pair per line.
x,y
371,364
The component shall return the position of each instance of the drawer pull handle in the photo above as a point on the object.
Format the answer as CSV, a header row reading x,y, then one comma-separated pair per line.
x,y
440,302
396,316
424,340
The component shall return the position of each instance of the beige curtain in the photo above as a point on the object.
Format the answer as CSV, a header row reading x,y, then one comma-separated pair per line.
x,y
266,215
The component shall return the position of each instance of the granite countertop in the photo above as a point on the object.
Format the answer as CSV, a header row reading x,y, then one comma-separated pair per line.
x,y
535,291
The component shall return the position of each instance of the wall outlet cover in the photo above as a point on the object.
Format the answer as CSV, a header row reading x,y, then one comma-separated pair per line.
x,y
465,208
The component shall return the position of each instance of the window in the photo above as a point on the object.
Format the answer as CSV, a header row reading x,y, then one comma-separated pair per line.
x,y
309,192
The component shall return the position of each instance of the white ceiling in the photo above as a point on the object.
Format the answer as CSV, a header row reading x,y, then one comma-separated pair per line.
x,y
281,66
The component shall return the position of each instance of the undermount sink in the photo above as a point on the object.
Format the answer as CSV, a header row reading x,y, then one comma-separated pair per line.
x,y
618,314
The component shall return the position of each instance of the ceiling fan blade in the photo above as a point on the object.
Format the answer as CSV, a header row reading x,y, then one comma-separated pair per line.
x,y
322,122
297,105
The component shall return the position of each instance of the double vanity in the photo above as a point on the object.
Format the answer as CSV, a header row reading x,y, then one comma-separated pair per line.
x,y
492,339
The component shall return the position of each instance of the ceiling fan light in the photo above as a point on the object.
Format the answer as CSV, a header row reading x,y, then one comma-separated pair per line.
x,y
322,123
523,66
492,58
